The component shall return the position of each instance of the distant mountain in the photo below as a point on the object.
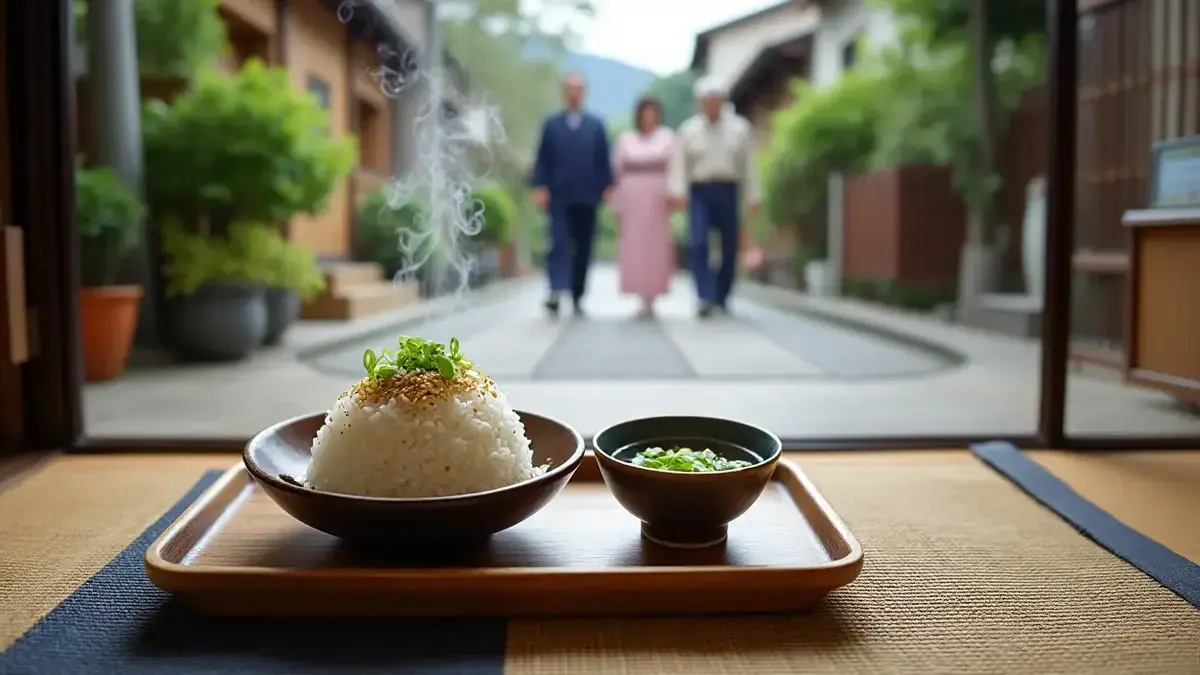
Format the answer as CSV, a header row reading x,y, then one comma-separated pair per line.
x,y
613,86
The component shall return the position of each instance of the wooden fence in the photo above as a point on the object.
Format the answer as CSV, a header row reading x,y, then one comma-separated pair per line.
x,y
1139,82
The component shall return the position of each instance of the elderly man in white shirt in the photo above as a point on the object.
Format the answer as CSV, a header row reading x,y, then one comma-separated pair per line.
x,y
714,173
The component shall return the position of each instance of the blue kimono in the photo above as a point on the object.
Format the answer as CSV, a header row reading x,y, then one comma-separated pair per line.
x,y
574,165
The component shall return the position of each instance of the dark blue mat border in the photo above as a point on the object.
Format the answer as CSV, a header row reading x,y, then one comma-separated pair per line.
x,y
1173,571
117,622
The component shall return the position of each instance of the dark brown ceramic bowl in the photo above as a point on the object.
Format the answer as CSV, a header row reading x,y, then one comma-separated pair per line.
x,y
413,525
686,510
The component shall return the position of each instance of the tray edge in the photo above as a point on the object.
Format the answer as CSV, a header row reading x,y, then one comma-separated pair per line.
x,y
159,569
853,560
180,578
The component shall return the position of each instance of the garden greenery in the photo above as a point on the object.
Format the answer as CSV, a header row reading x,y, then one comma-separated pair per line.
x,y
908,104
379,228
245,147
175,38
243,256
285,264
108,216
499,213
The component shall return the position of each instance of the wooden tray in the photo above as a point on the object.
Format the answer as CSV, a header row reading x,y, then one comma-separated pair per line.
x,y
235,553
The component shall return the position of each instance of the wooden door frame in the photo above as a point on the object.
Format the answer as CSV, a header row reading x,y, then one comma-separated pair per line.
x,y
41,120
12,423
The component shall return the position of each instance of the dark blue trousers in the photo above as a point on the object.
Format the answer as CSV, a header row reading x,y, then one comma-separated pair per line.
x,y
572,231
714,206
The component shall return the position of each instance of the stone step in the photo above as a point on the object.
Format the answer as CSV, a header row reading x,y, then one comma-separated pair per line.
x,y
339,275
362,299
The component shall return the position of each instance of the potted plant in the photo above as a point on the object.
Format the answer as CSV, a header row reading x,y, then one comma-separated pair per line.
x,y
242,148
108,216
216,292
498,212
292,275
383,231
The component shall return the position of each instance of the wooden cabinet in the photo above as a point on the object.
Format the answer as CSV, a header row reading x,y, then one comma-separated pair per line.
x,y
1162,342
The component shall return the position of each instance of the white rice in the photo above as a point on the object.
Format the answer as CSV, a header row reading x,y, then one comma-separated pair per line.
x,y
456,444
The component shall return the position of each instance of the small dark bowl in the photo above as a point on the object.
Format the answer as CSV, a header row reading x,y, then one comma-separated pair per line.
x,y
686,510
278,459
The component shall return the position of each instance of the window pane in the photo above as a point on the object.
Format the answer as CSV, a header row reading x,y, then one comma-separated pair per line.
x,y
1133,304
299,213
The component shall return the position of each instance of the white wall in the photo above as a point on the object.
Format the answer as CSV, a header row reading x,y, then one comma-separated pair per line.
x,y
732,50
841,22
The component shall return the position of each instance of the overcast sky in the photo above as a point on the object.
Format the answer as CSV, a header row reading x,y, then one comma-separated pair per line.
x,y
658,35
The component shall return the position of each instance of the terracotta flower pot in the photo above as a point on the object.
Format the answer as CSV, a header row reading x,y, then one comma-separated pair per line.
x,y
107,321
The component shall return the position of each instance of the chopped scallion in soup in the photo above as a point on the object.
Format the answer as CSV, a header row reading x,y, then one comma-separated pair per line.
x,y
686,460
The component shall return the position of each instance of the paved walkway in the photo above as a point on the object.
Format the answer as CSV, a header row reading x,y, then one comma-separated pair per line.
x,y
799,366
515,341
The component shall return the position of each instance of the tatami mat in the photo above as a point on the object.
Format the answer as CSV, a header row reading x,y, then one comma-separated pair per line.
x,y
963,573
67,520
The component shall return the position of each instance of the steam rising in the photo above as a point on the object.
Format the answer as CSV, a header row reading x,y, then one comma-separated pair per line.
x,y
447,145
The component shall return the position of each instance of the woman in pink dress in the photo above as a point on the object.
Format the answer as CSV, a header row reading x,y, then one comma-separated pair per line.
x,y
646,251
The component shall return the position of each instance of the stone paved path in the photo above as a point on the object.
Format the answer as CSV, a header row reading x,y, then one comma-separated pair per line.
x,y
773,363
514,340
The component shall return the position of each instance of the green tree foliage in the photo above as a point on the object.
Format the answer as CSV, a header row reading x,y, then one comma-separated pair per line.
x,y
522,91
912,103
489,38
616,125
946,20
828,130
175,38
930,120
675,92
107,216
515,18
984,27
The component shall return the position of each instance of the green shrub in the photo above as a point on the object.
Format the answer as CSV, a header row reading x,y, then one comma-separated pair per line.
x,y
296,268
908,104
379,228
285,265
930,118
175,38
917,297
193,260
499,214
108,217
825,131
247,147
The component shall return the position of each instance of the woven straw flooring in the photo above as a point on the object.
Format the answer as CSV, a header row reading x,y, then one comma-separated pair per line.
x,y
963,572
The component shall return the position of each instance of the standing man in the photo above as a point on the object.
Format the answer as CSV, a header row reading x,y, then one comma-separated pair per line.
x,y
714,173
571,177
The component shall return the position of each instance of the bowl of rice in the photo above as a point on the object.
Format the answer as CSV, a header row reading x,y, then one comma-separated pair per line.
x,y
423,452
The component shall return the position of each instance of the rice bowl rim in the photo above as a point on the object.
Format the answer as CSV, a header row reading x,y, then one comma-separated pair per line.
x,y
257,472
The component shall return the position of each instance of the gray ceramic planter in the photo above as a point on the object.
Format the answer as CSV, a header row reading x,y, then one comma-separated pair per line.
x,y
283,308
221,321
